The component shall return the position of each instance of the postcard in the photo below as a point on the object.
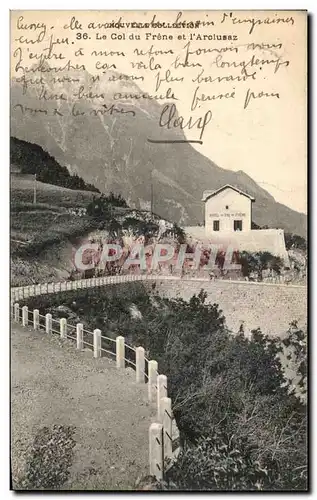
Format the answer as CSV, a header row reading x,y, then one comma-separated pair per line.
x,y
158,168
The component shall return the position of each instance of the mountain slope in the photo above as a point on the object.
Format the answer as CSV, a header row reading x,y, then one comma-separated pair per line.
x,y
112,152
31,159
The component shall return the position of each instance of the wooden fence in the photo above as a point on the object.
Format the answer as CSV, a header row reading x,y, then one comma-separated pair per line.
x,y
161,453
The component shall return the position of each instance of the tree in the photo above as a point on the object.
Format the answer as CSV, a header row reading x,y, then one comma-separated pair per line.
x,y
116,200
178,233
98,208
255,263
294,241
295,351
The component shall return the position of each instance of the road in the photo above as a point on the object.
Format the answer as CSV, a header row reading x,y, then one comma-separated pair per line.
x,y
54,384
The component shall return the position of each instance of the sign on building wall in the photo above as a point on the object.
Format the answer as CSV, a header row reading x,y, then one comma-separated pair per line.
x,y
237,214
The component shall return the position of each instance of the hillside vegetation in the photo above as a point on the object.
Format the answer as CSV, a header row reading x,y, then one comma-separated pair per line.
x,y
40,230
43,233
32,159
242,423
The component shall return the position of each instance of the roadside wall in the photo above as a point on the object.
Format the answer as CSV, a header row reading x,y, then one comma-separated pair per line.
x,y
256,240
269,307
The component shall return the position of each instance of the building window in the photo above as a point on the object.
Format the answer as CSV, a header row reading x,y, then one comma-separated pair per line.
x,y
216,225
237,225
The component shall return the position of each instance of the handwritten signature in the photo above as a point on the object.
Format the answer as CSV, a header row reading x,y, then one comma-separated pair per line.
x,y
169,120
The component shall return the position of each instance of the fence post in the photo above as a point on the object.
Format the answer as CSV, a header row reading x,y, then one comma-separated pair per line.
x,y
16,312
140,364
156,450
120,352
166,405
63,328
152,373
48,323
97,343
25,316
80,335
161,393
36,319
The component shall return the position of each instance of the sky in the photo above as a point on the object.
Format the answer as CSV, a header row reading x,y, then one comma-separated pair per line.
x,y
265,138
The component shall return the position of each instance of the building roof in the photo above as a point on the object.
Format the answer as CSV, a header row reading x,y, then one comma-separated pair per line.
x,y
209,194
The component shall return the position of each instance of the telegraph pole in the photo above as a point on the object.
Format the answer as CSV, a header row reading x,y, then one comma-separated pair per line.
x,y
34,193
152,193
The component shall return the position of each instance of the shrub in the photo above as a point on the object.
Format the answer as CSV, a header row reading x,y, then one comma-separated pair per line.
x,y
295,344
178,233
255,263
98,208
217,463
49,459
116,200
241,427
294,241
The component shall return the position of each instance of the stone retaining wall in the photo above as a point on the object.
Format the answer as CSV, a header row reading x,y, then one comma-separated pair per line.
x,y
269,307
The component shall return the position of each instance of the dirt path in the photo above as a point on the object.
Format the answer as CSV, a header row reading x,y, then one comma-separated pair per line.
x,y
54,384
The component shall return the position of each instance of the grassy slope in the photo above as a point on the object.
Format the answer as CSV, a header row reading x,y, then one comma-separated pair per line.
x,y
43,227
42,233
22,191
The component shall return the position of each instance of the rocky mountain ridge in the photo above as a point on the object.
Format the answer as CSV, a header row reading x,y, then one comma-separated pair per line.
x,y
106,143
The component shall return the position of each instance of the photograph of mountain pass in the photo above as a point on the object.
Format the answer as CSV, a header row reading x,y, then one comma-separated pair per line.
x,y
158,240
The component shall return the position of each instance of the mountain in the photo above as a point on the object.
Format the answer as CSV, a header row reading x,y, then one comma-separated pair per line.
x,y
108,147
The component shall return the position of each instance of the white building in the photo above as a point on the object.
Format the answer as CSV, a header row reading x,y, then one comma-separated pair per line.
x,y
227,210
228,217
